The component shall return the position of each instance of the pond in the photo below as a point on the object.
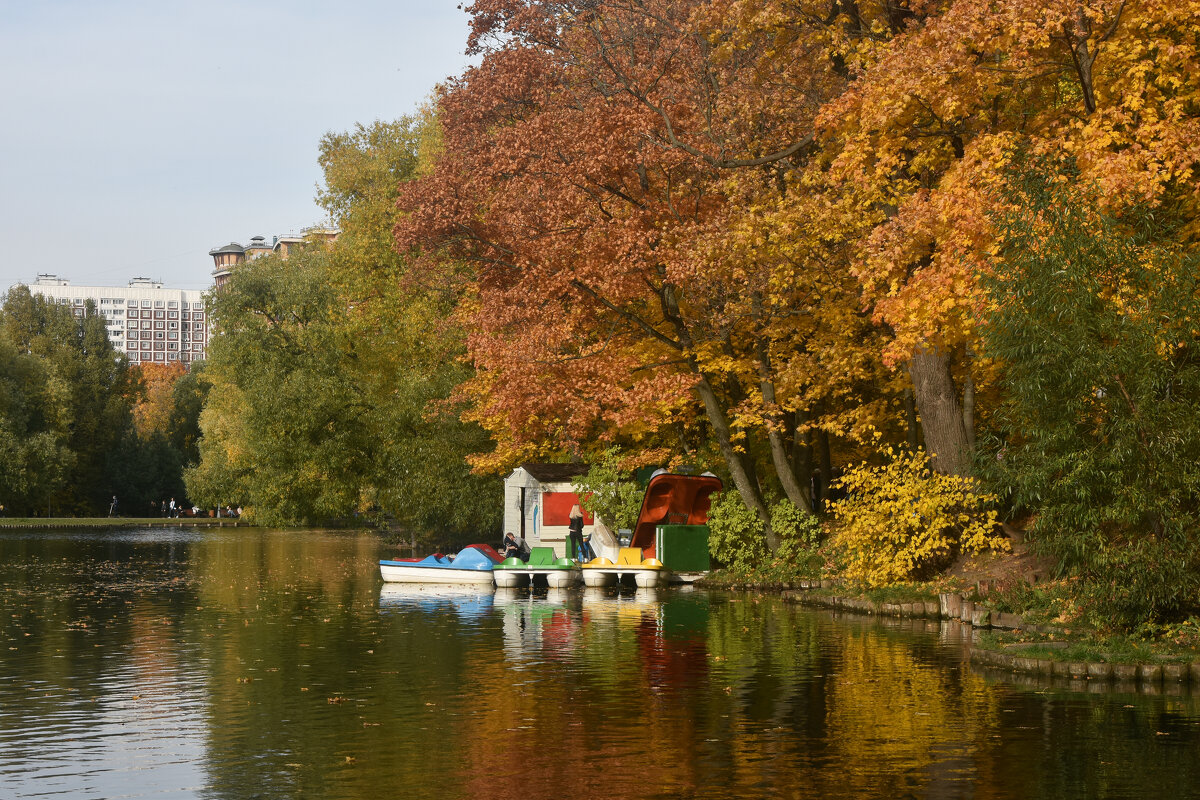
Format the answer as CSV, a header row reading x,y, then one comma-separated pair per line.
x,y
235,663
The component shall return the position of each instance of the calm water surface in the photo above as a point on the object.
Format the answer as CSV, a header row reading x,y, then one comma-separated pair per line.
x,y
249,664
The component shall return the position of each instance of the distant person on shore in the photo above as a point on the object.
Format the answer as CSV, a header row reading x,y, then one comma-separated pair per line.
x,y
112,507
171,509
164,509
575,532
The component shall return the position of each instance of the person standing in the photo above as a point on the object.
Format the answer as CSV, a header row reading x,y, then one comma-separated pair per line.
x,y
575,532
112,508
171,509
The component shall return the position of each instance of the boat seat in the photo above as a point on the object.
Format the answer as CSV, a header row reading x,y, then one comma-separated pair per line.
x,y
542,557
630,556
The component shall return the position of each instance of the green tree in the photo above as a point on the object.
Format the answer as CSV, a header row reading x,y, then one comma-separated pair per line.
x,y
1095,322
76,405
608,491
330,375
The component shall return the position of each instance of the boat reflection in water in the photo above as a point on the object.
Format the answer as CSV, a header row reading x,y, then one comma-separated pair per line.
x,y
466,600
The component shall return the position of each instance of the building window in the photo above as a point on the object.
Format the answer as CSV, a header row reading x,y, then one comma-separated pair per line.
x,y
172,315
158,303
145,304
172,335
172,326
172,304
160,315
159,326
159,357
158,335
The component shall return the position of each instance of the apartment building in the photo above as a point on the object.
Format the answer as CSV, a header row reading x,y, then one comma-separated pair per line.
x,y
227,257
145,321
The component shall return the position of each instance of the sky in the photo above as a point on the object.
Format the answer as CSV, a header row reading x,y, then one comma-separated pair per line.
x,y
136,136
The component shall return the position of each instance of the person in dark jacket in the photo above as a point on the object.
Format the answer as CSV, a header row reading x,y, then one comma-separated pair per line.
x,y
575,532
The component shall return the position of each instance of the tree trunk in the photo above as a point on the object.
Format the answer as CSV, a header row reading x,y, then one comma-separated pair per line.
x,y
802,464
969,400
941,415
910,416
740,467
795,492
826,457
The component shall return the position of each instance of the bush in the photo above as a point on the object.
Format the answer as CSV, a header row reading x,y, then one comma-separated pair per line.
x,y
736,540
902,521
735,535
799,540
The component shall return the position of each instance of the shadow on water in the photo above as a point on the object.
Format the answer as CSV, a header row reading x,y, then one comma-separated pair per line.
x,y
235,664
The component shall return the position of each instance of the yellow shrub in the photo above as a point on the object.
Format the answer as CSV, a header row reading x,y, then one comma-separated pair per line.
x,y
903,521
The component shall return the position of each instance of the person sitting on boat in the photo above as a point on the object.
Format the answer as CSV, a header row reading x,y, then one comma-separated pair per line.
x,y
514,545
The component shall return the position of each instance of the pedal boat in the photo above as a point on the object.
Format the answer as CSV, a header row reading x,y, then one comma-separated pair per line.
x,y
646,573
472,565
559,573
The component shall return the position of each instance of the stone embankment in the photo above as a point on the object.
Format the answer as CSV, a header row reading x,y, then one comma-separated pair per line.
x,y
1018,657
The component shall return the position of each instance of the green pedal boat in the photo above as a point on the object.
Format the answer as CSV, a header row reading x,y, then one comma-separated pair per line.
x,y
559,573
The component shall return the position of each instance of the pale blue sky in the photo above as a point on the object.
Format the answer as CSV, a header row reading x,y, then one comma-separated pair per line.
x,y
137,135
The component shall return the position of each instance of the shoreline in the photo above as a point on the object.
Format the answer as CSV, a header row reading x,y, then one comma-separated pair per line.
x,y
120,522
1033,658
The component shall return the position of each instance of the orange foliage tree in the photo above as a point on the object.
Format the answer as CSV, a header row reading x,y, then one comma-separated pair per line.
x,y
621,179
156,398
760,209
920,142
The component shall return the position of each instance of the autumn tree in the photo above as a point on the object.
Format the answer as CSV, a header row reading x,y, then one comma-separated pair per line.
x,y
919,142
156,400
622,178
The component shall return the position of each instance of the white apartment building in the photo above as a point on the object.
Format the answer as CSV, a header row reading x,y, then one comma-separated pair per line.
x,y
145,321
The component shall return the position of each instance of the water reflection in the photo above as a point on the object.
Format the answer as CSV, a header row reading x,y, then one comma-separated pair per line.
x,y
466,600
237,664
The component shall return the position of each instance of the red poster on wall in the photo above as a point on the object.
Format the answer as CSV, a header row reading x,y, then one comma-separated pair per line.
x,y
556,508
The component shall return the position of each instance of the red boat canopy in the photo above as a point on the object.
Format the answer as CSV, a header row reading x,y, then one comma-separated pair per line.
x,y
673,500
